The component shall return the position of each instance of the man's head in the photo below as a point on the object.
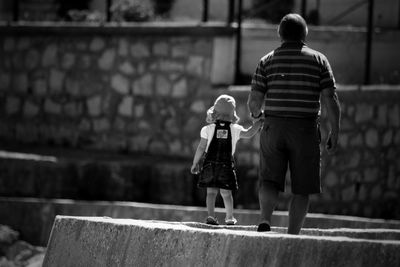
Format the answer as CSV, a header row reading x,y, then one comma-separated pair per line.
x,y
293,28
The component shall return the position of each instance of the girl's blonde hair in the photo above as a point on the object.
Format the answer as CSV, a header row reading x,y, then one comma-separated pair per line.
x,y
224,109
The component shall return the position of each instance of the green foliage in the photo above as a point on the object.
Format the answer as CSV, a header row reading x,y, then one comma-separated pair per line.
x,y
162,7
272,10
128,10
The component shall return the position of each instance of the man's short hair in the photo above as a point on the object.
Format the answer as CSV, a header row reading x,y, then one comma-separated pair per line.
x,y
293,28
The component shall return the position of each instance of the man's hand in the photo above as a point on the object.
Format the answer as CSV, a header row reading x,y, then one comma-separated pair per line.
x,y
332,143
195,169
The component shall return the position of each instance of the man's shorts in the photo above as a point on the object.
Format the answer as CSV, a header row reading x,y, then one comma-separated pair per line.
x,y
293,143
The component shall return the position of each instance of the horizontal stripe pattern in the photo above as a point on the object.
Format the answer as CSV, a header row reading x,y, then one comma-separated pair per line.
x,y
291,78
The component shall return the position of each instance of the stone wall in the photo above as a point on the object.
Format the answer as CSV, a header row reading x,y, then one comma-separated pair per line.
x,y
146,90
112,88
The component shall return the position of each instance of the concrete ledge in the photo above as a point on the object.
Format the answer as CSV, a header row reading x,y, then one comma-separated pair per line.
x,y
94,241
43,211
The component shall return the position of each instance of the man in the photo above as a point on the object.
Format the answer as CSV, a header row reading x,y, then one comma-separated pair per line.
x,y
289,83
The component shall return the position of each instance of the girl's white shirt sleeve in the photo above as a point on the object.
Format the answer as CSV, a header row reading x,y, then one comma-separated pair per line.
x,y
207,132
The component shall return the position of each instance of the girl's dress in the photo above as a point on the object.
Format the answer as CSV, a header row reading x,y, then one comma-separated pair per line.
x,y
218,169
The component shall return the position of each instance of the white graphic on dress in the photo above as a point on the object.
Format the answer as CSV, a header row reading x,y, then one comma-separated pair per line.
x,y
222,134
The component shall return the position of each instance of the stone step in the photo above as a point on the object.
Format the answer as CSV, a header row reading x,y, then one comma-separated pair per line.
x,y
34,217
99,241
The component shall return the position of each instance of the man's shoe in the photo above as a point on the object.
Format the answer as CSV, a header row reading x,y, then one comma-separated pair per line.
x,y
264,227
232,221
211,220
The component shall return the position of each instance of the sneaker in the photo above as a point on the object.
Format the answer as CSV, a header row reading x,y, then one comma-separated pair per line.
x,y
232,221
212,220
264,227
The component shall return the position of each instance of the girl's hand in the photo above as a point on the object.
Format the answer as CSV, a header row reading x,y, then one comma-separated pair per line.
x,y
195,169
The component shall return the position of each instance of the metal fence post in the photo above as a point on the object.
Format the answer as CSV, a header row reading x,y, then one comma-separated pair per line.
x,y
368,50
205,11
16,10
108,11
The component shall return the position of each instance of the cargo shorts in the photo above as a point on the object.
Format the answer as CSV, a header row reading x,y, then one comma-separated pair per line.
x,y
292,143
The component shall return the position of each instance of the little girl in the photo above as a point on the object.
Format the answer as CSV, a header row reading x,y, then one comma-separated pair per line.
x,y
218,142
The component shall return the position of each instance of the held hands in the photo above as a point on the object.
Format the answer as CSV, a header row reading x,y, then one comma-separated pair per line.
x,y
195,169
258,117
332,142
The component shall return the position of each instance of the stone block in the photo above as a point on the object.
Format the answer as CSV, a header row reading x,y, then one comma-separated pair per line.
x,y
12,105
30,109
50,57
106,60
364,113
160,49
123,47
126,106
39,87
162,86
331,179
139,143
73,86
73,109
372,138
180,50
140,50
97,44
101,125
198,107
120,84
222,69
204,47
24,43
371,175
171,66
68,61
20,82
143,86
127,68
91,241
56,80
382,116
195,65
9,44
5,81
179,89
85,125
32,59
94,105
394,116
387,138
52,107
139,110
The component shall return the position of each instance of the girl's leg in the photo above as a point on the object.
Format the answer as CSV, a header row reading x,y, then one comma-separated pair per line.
x,y
210,200
228,203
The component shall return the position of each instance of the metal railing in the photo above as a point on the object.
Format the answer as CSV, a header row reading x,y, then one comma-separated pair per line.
x,y
108,15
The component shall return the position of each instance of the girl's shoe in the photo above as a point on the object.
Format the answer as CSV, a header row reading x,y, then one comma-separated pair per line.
x,y
212,220
232,221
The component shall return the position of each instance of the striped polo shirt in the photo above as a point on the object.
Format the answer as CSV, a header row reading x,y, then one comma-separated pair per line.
x,y
291,78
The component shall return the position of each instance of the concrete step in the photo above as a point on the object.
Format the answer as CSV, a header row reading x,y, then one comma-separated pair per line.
x,y
99,241
33,218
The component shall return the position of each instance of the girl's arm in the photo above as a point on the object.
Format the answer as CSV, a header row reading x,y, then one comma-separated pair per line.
x,y
252,130
197,156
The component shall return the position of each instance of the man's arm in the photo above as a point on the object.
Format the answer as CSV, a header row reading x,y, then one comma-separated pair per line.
x,y
331,101
255,102
252,130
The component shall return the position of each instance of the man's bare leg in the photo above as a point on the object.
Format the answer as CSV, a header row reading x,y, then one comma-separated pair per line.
x,y
268,196
297,213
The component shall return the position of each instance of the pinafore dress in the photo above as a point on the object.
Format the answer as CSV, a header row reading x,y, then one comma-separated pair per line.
x,y
218,168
